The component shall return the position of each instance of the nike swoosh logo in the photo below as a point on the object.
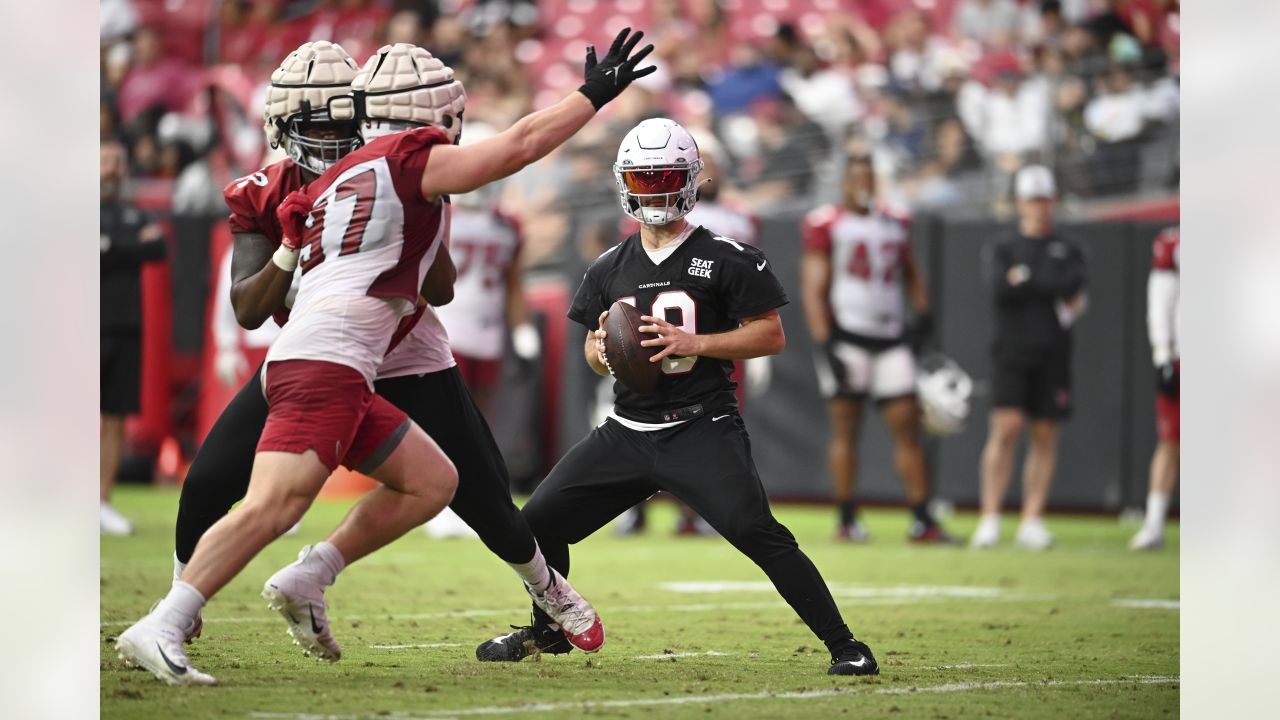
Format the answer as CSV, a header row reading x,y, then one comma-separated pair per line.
x,y
719,418
761,265
177,669
861,661
314,627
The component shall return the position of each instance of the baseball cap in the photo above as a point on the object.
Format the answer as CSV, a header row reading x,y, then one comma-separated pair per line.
x,y
1035,181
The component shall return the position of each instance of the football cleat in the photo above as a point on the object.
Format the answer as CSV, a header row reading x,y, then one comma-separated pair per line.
x,y
856,659
111,522
934,534
988,533
156,646
1148,539
297,593
854,533
192,631
525,641
1033,535
577,619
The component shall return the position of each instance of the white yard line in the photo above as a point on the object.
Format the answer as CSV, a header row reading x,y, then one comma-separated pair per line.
x,y
962,666
725,697
415,645
668,656
1148,604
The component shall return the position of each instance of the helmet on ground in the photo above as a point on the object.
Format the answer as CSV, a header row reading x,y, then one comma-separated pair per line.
x,y
944,389
403,86
657,172
310,90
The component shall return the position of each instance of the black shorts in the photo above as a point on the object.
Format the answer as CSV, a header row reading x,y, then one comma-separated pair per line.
x,y
121,373
1040,387
706,463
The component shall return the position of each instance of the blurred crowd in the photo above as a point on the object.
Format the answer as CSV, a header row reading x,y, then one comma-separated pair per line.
x,y
950,97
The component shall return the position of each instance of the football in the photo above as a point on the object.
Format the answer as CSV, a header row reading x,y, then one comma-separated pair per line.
x,y
627,360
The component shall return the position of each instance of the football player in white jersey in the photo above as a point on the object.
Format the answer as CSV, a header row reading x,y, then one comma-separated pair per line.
x,y
365,234
856,268
488,303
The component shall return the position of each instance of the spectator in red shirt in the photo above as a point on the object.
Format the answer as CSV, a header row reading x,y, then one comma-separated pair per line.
x,y
154,79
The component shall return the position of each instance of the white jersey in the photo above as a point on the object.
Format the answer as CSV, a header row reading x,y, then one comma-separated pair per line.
x,y
369,241
484,245
425,350
725,221
867,253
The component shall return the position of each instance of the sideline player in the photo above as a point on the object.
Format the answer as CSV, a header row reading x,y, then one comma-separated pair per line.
x,y
1162,329
1039,280
488,303
857,265
710,300
387,211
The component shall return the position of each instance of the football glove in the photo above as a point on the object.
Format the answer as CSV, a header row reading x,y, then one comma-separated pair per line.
x,y
1167,379
920,332
292,215
838,370
606,79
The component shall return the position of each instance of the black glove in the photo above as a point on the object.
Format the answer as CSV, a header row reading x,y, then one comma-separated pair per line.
x,y
838,370
605,80
920,332
1167,379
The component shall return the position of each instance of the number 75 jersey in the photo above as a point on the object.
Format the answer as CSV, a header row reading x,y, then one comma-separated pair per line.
x,y
705,286
867,254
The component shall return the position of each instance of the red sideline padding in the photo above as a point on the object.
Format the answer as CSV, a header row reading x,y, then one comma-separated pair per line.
x,y
551,298
147,429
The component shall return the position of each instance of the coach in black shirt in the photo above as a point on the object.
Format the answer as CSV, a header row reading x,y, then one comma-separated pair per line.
x,y
127,241
1039,293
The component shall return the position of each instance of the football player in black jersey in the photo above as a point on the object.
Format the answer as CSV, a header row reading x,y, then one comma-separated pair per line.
x,y
708,300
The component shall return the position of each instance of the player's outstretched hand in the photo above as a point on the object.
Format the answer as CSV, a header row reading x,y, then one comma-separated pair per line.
x,y
292,215
605,79
675,341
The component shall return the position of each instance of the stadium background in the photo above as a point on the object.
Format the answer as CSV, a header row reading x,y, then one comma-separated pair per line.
x,y
949,96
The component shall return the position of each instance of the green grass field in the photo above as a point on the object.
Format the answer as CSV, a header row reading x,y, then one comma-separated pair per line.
x,y
1003,633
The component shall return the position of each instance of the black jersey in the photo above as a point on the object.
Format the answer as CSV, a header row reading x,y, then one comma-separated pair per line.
x,y
705,286
1027,324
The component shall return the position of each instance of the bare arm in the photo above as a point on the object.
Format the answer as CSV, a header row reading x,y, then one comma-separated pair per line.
x,y
437,286
258,285
454,169
755,336
917,291
517,315
815,292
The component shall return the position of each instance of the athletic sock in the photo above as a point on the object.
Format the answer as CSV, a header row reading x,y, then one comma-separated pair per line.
x,y
329,559
535,573
181,606
178,567
1157,509
921,512
848,513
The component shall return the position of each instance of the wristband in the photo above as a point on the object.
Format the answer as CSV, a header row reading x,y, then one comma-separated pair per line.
x,y
285,259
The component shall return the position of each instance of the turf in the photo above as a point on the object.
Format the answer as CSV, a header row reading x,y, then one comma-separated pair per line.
x,y
959,633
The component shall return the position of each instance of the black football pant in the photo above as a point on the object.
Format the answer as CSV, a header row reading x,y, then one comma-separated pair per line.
x,y
707,464
438,402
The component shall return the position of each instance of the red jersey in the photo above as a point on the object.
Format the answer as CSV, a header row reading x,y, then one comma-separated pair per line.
x,y
253,200
1164,252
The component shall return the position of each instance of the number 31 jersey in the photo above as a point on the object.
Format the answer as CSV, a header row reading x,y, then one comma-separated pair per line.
x,y
867,254
369,241
705,286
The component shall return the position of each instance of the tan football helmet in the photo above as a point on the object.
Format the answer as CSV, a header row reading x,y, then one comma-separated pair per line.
x,y
403,86
312,85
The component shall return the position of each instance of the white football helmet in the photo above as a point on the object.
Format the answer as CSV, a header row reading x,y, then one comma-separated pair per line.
x,y
403,86
944,390
657,172
312,85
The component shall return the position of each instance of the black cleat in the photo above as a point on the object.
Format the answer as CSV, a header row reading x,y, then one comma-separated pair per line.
x,y
525,641
855,659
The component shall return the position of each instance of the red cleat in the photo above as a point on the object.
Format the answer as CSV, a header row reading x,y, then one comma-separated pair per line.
x,y
577,619
589,640
931,534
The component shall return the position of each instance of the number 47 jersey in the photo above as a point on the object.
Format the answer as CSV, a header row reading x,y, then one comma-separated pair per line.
x,y
369,241
704,286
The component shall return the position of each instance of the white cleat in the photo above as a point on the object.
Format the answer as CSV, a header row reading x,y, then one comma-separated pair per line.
x,y
577,619
987,535
1148,539
297,528
1033,535
297,593
156,645
111,522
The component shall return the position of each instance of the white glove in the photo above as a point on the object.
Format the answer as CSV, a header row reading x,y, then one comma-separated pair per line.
x,y
525,341
230,365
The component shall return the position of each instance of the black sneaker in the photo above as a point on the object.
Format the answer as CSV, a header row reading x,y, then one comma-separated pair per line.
x,y
525,641
854,659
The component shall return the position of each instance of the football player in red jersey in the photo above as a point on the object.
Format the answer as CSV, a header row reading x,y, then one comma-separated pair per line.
x,y
857,266
363,270
1162,329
